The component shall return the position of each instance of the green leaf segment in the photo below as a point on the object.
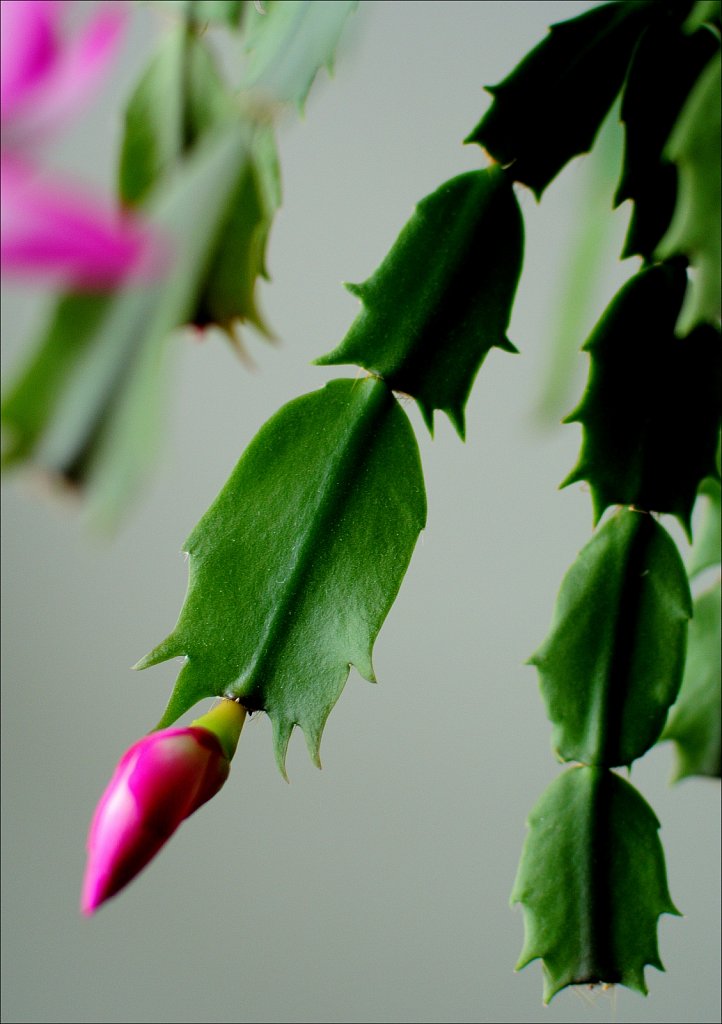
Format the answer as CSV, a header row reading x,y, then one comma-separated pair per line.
x,y
297,562
651,409
592,883
428,321
606,679
551,106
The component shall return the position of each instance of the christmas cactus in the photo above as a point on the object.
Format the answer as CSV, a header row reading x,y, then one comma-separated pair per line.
x,y
296,563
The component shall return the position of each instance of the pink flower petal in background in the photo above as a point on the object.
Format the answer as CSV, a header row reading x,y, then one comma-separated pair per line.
x,y
50,230
28,49
43,76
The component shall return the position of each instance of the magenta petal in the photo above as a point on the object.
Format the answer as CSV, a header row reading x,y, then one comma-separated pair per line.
x,y
52,230
28,49
44,77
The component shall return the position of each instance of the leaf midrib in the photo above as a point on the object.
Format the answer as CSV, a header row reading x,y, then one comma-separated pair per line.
x,y
343,465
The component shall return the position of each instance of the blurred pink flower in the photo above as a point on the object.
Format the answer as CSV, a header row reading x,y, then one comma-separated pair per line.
x,y
50,228
159,782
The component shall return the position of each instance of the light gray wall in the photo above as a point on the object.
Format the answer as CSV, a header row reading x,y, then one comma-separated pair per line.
x,y
375,890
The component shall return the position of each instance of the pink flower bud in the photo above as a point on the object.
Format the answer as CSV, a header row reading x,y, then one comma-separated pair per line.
x,y
159,782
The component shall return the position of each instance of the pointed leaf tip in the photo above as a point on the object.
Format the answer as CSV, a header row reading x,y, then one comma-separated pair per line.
x,y
281,737
165,651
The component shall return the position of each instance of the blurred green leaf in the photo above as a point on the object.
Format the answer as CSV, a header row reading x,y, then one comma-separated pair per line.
x,y
551,106
104,397
592,883
30,403
179,98
664,68
696,227
651,409
295,565
239,257
289,41
584,258
612,664
707,548
226,12
222,12
442,297
694,721
703,12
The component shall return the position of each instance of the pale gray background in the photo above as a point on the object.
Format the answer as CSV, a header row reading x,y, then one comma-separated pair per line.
x,y
377,889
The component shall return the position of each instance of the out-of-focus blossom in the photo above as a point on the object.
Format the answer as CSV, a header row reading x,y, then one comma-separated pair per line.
x,y
50,229
45,77
159,782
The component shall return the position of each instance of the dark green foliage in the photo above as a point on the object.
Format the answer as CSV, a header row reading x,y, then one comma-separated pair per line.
x,y
551,106
666,64
592,883
694,722
651,409
297,562
442,297
592,872
612,664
